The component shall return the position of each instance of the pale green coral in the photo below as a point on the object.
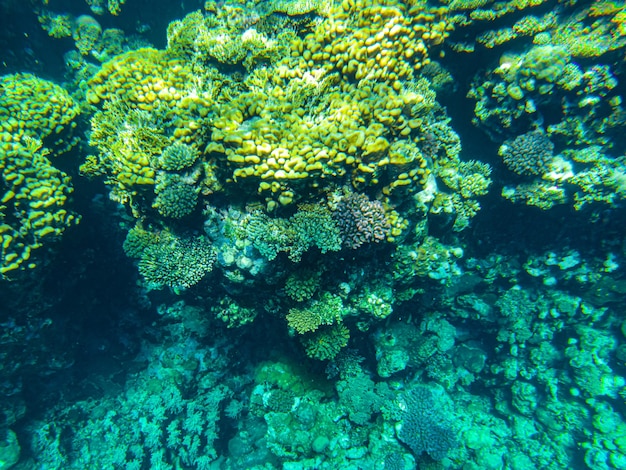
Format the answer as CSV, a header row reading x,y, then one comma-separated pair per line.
x,y
176,197
311,226
541,194
176,157
302,284
176,262
325,311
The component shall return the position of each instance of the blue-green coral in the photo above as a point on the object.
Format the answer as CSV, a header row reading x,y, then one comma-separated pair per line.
x,y
311,226
176,262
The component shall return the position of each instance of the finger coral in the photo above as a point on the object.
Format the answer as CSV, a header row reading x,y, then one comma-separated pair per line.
x,y
527,154
176,262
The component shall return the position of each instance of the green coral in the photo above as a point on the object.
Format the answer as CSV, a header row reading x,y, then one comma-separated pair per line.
x,y
216,38
469,179
325,343
176,157
56,25
302,284
36,122
138,239
87,33
176,197
311,226
543,63
176,262
326,311
234,314
541,194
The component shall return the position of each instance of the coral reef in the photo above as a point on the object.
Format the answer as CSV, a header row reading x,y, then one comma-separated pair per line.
x,y
291,255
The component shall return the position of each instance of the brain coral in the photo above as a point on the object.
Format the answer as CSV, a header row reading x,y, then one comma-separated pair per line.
x,y
527,154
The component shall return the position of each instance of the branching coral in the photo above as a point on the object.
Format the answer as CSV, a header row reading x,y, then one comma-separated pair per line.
x,y
176,197
527,154
325,343
360,220
326,311
176,262
311,226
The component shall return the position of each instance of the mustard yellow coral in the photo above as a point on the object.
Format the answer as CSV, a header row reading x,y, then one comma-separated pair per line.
x,y
35,200
149,100
34,194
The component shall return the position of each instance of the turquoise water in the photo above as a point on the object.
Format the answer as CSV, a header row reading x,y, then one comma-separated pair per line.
x,y
312,235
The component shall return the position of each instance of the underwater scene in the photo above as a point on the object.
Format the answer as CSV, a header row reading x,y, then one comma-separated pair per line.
x,y
312,234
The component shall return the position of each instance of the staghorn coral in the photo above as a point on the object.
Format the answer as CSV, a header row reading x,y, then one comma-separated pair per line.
x,y
527,154
360,220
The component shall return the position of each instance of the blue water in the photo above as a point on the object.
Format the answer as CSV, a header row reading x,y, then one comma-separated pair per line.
x,y
296,235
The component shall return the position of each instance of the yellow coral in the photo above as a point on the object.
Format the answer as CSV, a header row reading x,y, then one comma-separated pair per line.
x,y
32,111
37,196
149,99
